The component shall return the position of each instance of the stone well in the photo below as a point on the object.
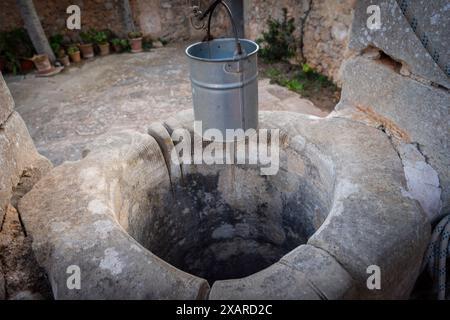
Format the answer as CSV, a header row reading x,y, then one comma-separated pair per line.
x,y
140,226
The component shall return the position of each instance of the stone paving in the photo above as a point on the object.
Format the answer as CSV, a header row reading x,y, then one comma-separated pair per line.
x,y
128,91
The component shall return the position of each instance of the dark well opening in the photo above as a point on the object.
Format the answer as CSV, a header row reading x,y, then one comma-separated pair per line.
x,y
228,221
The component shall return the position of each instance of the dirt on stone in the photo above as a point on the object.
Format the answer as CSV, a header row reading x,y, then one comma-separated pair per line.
x,y
306,82
23,279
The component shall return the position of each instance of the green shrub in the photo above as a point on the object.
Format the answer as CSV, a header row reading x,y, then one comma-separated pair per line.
x,y
72,49
100,37
302,79
278,43
295,85
88,36
56,41
14,45
135,35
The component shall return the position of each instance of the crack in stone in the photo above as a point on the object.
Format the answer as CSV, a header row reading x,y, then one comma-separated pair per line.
x,y
303,24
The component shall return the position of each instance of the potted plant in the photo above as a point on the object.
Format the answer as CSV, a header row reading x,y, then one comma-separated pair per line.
x,y
74,53
42,63
116,45
135,41
64,59
56,41
101,39
86,47
26,65
16,50
119,45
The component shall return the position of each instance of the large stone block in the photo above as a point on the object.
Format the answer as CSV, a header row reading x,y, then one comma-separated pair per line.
x,y
18,158
323,271
414,46
277,282
87,206
420,111
6,101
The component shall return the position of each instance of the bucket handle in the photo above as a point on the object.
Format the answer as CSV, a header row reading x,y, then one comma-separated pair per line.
x,y
210,11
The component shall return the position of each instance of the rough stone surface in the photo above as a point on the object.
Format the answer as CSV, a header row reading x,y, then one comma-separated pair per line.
x,y
6,102
2,285
328,277
398,39
157,18
369,180
323,25
277,282
419,111
305,273
121,186
18,158
88,205
22,277
128,91
326,35
422,180
21,167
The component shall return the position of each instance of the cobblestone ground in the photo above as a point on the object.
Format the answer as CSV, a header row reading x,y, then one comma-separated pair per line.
x,y
65,112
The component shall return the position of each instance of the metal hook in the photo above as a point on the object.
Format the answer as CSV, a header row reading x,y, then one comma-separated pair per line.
x,y
195,16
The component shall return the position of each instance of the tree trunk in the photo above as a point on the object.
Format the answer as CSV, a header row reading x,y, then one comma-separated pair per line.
x,y
127,16
34,28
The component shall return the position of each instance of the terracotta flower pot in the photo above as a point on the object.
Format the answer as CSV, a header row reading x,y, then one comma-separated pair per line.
x,y
117,48
104,48
61,53
87,50
136,45
42,63
26,65
75,57
65,60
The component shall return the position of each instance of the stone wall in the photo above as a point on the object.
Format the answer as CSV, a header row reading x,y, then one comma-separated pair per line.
x,y
394,78
21,167
97,14
326,35
325,24
158,18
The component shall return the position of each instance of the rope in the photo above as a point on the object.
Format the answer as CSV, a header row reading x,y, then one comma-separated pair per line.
x,y
436,256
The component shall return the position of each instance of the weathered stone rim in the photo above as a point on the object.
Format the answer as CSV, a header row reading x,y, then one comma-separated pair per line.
x,y
327,251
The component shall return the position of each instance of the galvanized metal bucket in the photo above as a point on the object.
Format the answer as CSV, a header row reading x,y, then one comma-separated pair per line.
x,y
224,84
224,77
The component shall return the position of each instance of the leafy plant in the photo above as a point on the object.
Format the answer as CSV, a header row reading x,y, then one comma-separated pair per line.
x,y
88,36
295,85
56,41
116,42
100,37
306,68
135,35
14,45
123,43
147,43
278,43
301,79
273,73
72,50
